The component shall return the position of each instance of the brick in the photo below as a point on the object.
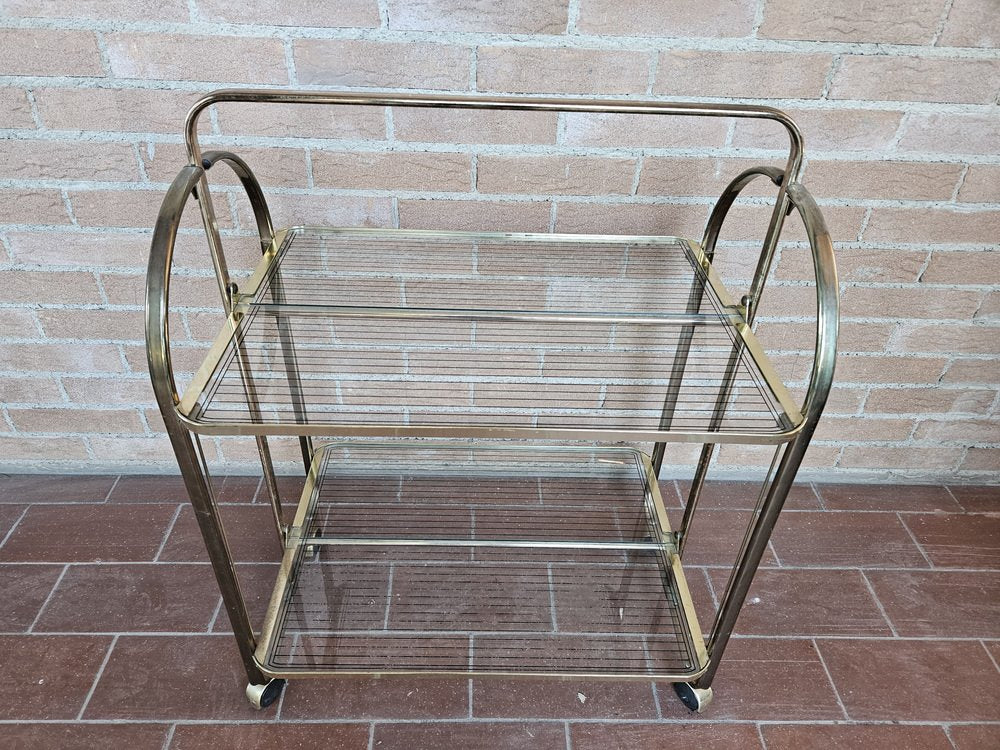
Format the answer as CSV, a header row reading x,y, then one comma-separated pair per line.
x,y
561,175
394,170
885,180
929,401
66,287
932,225
32,207
32,450
920,458
121,110
18,323
285,167
137,209
187,57
863,428
338,736
113,10
56,420
33,160
956,339
893,21
971,23
688,18
473,126
951,133
102,598
794,737
75,249
15,111
491,216
339,211
971,371
649,736
302,120
760,74
912,302
981,184
29,390
749,222
989,311
483,16
53,674
123,325
965,430
43,52
72,736
824,130
900,690
649,131
566,70
130,450
963,267
981,459
892,78
88,533
882,266
631,218
337,14
671,176
355,62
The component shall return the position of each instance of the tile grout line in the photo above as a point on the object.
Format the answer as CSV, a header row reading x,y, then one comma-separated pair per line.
x,y
168,532
833,685
990,654
169,737
566,735
215,616
947,733
13,528
760,735
371,735
878,602
97,677
52,591
913,537
111,490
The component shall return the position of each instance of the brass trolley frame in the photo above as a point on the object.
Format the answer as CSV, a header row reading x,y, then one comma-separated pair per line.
x,y
232,358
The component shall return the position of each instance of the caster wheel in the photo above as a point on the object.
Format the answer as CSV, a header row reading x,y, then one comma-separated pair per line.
x,y
262,696
697,699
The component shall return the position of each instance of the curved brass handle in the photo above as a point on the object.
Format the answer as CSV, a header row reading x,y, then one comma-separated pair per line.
x,y
161,253
827,301
265,228
728,197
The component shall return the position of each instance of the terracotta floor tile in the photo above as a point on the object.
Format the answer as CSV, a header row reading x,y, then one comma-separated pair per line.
x,y
715,537
49,675
83,736
977,499
23,590
940,603
437,735
658,736
959,540
731,495
289,490
259,736
845,539
924,498
257,582
562,699
356,698
170,489
172,677
975,737
8,517
88,533
55,488
132,598
994,648
904,680
854,737
761,679
807,602
249,530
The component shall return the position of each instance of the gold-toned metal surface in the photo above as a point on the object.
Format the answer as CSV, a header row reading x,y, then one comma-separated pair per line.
x,y
537,560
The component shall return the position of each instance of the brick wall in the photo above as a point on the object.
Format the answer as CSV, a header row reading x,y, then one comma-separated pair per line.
x,y
898,102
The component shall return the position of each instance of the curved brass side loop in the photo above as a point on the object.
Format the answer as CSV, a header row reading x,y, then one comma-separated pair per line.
x,y
265,228
728,197
827,301
161,253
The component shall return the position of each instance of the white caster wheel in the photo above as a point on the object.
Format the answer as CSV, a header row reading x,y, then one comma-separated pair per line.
x,y
262,696
697,699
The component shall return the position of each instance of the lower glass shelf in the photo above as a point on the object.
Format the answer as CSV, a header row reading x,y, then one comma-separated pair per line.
x,y
462,560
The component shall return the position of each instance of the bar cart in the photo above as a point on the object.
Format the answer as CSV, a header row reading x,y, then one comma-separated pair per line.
x,y
498,556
